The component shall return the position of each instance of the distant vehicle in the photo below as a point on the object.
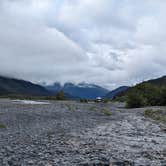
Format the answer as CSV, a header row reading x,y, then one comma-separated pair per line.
x,y
98,99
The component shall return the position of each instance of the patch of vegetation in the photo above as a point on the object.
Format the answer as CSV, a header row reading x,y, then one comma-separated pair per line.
x,y
159,115
106,112
106,100
135,100
2,126
145,94
49,135
70,108
93,108
60,95
83,100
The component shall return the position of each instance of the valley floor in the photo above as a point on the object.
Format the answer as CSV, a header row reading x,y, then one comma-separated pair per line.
x,y
72,133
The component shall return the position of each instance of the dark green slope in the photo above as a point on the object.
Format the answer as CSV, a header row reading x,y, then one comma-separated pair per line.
x,y
147,93
10,86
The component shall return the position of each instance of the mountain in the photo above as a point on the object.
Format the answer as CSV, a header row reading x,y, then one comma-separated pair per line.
x,y
82,90
116,92
10,86
55,87
147,93
157,82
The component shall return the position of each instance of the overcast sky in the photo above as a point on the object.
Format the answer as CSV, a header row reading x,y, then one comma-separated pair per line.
x,y
107,42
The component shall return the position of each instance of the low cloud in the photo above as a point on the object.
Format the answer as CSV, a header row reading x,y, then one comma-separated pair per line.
x,y
110,43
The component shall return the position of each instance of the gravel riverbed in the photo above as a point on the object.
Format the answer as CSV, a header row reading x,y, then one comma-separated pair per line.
x,y
70,133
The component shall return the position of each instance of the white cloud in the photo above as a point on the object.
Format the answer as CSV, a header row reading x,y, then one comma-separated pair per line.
x,y
108,42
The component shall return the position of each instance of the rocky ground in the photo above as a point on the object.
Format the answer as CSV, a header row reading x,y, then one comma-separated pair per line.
x,y
71,133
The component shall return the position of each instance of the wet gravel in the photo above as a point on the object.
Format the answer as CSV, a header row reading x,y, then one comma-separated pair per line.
x,y
71,133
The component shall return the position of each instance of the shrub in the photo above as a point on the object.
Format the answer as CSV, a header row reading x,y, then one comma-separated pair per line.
x,y
106,112
163,96
60,95
71,108
2,126
106,100
148,113
135,100
83,100
93,108
145,94
158,115
151,93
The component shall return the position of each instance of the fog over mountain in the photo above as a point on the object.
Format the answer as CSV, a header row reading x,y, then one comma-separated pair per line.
x,y
105,42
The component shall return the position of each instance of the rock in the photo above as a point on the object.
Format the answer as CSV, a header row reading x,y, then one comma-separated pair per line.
x,y
30,162
78,137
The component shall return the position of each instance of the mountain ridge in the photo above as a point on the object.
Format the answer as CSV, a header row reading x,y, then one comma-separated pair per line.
x,y
81,90
116,91
12,86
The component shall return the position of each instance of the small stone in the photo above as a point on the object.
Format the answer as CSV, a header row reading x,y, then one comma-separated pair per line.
x,y
30,162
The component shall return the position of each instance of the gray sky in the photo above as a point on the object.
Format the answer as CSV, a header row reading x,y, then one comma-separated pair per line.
x,y
107,42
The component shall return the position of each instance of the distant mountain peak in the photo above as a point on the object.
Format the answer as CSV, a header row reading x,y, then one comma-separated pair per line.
x,y
81,90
